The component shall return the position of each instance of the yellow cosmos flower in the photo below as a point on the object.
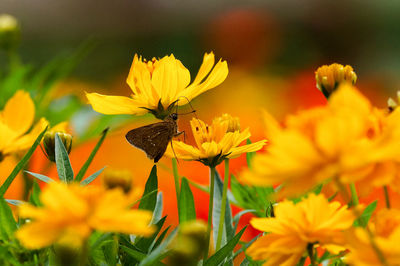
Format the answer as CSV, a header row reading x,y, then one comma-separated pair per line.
x,y
15,120
158,85
348,139
329,77
71,212
215,142
313,220
386,230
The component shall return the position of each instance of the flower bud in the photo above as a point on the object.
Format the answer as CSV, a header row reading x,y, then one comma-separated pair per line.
x,y
9,32
116,178
329,77
190,243
49,143
232,122
392,104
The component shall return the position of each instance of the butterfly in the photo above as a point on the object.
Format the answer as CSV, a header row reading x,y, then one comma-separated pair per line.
x,y
153,139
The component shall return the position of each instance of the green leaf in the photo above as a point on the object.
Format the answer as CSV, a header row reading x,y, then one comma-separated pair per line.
x,y
34,198
43,178
366,215
249,155
21,164
137,255
89,160
160,238
149,203
7,222
228,226
92,177
64,168
187,211
237,218
158,252
144,243
224,252
158,209
15,202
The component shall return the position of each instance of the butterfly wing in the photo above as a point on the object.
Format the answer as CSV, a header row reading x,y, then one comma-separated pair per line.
x,y
153,139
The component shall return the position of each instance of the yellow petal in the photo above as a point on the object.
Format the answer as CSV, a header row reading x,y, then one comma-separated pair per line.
x,y
205,68
19,112
7,136
38,235
26,141
256,146
216,77
112,105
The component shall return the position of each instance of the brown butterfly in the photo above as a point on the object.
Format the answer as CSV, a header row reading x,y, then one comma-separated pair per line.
x,y
153,139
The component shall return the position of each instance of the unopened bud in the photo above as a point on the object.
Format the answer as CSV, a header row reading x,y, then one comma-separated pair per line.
x,y
117,178
9,32
329,77
49,143
189,244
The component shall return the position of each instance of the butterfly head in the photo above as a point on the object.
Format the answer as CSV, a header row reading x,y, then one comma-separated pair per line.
x,y
174,116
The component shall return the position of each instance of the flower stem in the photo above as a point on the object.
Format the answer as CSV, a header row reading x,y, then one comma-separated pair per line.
x,y
223,205
357,213
387,199
354,197
176,179
210,211
310,252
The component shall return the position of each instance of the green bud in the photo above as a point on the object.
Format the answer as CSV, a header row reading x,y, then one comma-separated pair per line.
x,y
189,245
49,143
9,32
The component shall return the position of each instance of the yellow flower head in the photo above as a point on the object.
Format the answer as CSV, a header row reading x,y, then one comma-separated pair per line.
x,y
329,77
385,228
158,85
71,212
347,139
215,142
15,120
313,220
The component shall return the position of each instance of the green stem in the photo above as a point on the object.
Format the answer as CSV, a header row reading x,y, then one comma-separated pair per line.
x,y
223,205
176,179
354,197
387,199
310,251
210,211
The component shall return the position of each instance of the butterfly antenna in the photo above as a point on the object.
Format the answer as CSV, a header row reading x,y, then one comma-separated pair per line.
x,y
172,147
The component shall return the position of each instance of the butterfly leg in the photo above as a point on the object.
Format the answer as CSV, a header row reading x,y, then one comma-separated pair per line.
x,y
172,147
180,133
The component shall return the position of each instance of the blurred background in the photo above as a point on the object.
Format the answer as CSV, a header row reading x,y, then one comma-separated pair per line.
x,y
272,49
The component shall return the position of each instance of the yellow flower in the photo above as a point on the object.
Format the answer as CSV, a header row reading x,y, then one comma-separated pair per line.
x,y
71,212
15,120
313,220
348,139
118,178
215,142
158,85
386,230
328,78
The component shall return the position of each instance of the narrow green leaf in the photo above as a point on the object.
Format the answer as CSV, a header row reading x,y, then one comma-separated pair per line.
x,y
366,215
149,203
158,252
92,177
249,155
228,226
137,255
237,218
160,238
89,160
15,202
158,209
21,164
7,222
43,178
187,211
224,252
34,198
144,243
64,168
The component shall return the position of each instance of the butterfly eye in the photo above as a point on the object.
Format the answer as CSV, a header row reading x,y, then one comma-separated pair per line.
x,y
174,116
